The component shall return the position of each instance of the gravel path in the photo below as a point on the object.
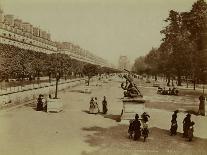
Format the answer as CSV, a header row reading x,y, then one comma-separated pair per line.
x,y
25,131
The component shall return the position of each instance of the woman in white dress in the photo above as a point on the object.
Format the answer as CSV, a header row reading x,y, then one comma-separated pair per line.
x,y
92,106
96,109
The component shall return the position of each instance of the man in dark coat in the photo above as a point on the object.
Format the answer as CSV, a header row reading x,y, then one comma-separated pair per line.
x,y
137,127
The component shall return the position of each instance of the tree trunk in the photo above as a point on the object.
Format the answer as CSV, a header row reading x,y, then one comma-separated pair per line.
x,y
194,83
172,83
88,81
179,80
168,80
56,88
155,77
187,81
38,77
49,78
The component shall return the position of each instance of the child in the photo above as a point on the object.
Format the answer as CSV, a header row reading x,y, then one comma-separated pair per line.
x,y
190,131
145,130
130,130
145,117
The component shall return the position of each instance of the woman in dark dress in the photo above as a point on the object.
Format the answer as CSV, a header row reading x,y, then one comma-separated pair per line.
x,y
104,103
137,127
39,103
186,125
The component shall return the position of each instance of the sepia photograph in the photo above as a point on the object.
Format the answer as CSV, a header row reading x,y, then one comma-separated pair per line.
x,y
103,77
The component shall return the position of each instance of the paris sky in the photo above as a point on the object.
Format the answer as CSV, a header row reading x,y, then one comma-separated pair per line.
x,y
107,28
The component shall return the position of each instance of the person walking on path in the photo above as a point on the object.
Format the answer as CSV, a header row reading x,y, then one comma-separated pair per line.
x,y
201,110
130,129
137,127
190,131
96,109
145,117
186,124
92,106
173,128
174,125
174,116
104,104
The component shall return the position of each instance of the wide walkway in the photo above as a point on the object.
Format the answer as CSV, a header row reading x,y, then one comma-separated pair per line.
x,y
73,131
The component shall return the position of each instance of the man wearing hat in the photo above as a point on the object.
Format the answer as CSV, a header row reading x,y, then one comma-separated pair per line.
x,y
137,127
186,124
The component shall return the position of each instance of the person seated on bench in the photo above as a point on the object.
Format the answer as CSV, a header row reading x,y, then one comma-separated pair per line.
x,y
40,103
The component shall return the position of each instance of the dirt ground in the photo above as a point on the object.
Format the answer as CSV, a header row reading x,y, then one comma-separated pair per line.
x,y
25,131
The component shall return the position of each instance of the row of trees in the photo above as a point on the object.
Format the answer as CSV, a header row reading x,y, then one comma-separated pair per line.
x,y
182,51
19,64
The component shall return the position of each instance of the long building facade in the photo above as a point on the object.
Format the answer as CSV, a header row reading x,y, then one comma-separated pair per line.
x,y
80,54
24,35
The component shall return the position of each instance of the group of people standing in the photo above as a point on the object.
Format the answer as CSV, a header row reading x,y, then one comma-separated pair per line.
x,y
135,131
94,107
188,128
42,103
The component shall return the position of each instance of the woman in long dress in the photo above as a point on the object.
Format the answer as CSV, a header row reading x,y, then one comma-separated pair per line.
x,y
104,103
96,109
39,103
92,106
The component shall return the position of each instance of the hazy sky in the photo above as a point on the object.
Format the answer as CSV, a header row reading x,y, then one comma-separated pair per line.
x,y
107,28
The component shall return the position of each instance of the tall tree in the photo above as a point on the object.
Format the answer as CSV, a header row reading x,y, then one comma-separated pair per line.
x,y
90,70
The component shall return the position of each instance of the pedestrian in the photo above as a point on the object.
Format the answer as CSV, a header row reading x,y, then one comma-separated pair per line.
x,y
39,103
201,110
190,131
174,127
186,124
145,117
104,104
174,116
136,127
130,130
44,103
96,109
145,130
92,106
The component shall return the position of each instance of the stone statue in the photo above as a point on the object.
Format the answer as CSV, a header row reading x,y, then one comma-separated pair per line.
x,y
130,88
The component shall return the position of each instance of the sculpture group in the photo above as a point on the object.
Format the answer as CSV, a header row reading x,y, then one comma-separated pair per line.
x,y
130,88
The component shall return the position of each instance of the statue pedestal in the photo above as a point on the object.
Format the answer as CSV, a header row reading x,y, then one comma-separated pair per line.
x,y
132,106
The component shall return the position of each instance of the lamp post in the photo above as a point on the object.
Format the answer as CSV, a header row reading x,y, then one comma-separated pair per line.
x,y
56,87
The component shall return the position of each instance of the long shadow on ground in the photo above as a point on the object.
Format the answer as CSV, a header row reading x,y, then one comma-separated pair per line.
x,y
114,140
116,118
